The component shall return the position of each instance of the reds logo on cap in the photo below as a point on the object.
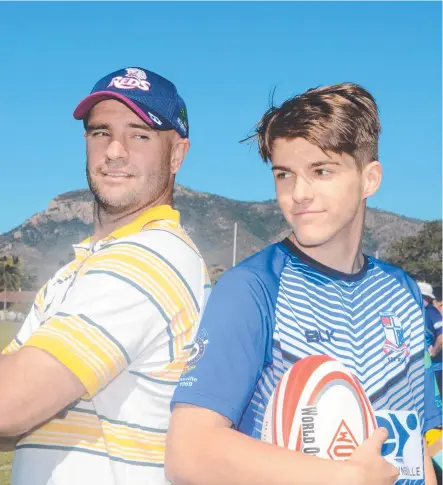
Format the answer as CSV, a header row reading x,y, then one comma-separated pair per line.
x,y
134,79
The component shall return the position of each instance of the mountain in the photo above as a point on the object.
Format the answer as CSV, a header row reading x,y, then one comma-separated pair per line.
x,y
44,241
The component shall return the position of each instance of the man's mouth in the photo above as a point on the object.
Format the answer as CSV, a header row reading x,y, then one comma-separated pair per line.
x,y
116,174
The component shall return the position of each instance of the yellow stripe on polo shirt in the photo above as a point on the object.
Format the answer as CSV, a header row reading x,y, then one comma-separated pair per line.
x,y
83,348
142,258
39,301
13,346
146,271
182,328
161,212
85,432
174,229
69,269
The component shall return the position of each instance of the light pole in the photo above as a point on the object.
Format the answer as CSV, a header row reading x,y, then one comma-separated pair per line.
x,y
234,250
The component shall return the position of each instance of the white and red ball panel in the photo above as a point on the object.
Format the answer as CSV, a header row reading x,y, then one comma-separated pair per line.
x,y
319,408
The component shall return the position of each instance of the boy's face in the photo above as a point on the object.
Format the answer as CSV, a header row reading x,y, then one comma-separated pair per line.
x,y
320,194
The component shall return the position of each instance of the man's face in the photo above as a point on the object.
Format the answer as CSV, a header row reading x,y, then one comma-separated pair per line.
x,y
320,194
129,165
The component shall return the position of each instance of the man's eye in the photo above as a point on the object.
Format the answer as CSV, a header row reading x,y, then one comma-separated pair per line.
x,y
98,134
141,137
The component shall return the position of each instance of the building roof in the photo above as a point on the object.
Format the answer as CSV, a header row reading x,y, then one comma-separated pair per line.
x,y
17,296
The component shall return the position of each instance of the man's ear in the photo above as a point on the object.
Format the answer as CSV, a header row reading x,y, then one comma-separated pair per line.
x,y
372,175
178,153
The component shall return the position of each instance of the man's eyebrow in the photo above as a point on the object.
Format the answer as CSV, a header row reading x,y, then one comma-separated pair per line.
x,y
106,126
98,126
140,126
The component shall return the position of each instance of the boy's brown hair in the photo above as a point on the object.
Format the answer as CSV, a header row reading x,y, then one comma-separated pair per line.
x,y
342,118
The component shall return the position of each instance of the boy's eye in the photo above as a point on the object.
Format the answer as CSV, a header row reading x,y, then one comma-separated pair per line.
x,y
322,171
282,175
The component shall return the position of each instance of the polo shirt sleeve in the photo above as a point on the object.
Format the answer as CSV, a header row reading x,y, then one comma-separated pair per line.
x,y
127,299
229,354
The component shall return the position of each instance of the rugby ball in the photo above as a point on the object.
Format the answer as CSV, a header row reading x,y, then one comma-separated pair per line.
x,y
319,408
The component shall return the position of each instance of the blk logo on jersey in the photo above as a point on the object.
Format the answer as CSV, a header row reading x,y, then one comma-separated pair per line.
x,y
316,336
395,340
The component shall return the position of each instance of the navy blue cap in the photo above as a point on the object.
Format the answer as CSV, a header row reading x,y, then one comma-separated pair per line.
x,y
150,96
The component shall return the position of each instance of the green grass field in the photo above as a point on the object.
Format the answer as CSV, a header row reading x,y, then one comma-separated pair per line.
x,y
5,468
7,332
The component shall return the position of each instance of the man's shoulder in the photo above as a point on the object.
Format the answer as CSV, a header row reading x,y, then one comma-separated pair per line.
x,y
165,238
164,254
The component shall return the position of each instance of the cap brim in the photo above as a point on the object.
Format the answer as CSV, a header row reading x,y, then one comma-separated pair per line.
x,y
85,106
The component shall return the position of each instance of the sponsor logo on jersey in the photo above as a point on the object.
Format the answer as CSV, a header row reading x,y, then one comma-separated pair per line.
x,y
403,447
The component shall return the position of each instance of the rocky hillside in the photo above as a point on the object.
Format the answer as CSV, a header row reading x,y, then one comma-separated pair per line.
x,y
44,240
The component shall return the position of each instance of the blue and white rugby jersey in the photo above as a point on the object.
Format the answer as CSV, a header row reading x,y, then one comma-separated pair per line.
x,y
280,306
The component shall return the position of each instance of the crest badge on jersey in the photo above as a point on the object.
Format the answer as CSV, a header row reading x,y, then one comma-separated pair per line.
x,y
197,350
395,340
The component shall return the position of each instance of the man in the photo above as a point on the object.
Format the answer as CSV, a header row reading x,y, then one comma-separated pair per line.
x,y
313,293
432,302
88,381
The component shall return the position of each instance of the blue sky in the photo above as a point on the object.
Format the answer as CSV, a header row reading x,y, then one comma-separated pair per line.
x,y
224,58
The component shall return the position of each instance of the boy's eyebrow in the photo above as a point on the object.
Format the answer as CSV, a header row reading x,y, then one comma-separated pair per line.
x,y
281,167
320,163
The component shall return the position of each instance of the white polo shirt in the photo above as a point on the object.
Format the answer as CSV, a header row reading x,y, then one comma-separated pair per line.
x,y
122,317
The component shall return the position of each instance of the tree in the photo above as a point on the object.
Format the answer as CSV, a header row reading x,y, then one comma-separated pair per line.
x,y
10,273
420,255
29,282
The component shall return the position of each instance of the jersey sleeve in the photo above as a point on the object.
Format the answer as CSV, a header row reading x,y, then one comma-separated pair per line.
x,y
229,354
432,397
126,299
434,321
